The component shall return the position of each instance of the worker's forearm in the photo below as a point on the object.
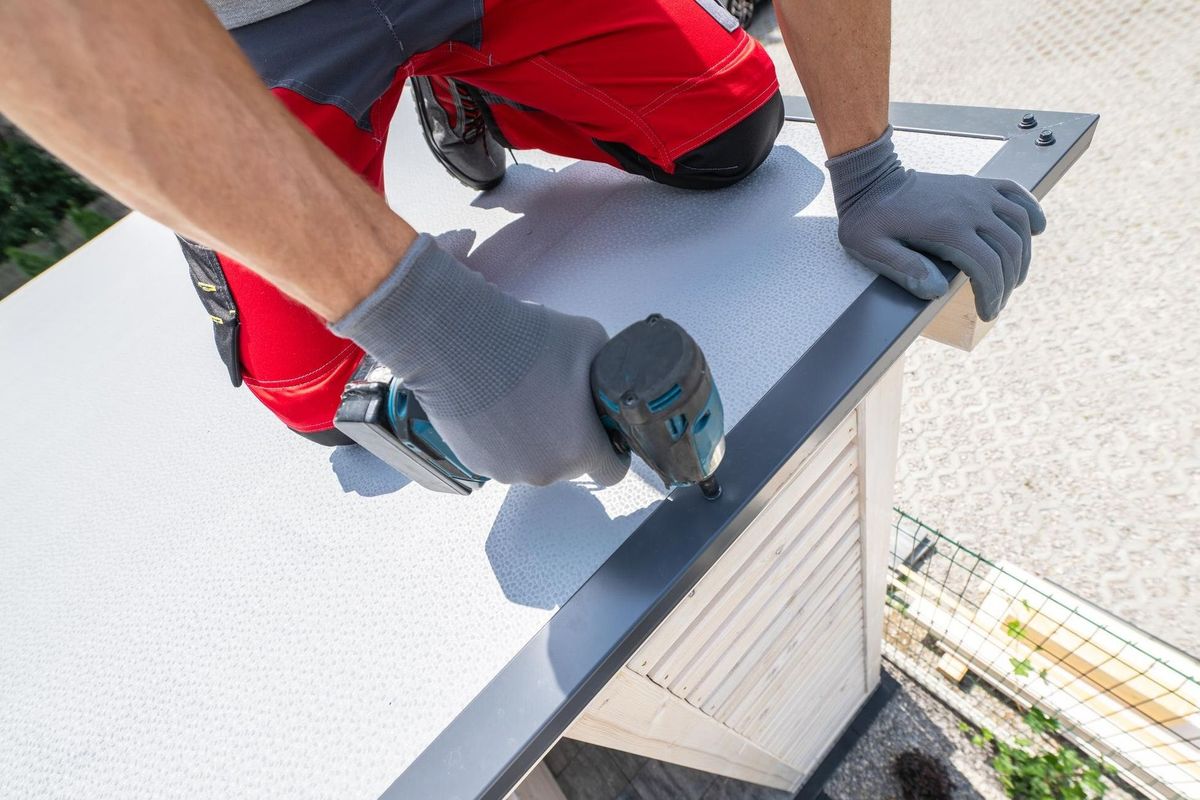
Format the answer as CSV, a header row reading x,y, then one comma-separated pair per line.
x,y
153,101
841,50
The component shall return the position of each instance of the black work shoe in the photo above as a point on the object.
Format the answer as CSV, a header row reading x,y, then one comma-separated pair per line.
x,y
467,149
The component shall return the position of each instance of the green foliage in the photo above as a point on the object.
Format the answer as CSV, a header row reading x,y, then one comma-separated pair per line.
x,y
1015,629
1038,722
896,601
30,263
1061,774
1058,774
1021,667
89,222
983,738
35,193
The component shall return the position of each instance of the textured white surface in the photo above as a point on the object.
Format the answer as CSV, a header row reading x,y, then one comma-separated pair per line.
x,y
196,603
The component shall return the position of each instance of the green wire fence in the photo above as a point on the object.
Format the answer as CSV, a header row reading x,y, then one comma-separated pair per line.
x,y
988,637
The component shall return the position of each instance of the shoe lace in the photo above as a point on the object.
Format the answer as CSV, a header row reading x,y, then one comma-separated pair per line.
x,y
473,123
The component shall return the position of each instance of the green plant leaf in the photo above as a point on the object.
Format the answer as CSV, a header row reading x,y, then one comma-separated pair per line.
x,y
36,191
90,223
1039,722
1061,774
30,263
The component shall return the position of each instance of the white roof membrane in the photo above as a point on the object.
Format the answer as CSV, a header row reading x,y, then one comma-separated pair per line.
x,y
195,602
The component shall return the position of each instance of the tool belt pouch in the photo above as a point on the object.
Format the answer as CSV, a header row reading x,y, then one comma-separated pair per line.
x,y
209,281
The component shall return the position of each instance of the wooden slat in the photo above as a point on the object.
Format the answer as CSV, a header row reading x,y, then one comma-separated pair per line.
x,y
799,639
952,668
801,679
808,748
786,679
812,517
684,616
807,718
771,595
1055,622
878,440
800,683
835,665
787,635
1106,670
957,324
785,675
636,715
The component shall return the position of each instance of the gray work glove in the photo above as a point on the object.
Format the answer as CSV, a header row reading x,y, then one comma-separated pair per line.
x,y
505,383
889,216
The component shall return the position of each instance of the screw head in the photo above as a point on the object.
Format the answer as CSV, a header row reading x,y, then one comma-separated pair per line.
x,y
1028,121
1046,137
629,399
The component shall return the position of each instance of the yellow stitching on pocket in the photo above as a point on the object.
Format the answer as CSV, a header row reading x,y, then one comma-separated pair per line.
x,y
216,319
206,287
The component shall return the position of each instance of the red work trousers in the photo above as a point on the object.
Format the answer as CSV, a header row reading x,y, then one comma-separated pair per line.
x,y
644,85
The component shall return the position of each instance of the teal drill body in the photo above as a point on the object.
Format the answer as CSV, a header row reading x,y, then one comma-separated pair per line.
x,y
651,386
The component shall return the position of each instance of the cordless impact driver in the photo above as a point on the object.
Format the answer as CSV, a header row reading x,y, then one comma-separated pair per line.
x,y
651,386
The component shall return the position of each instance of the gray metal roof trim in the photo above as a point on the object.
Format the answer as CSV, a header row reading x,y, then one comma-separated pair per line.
x,y
527,706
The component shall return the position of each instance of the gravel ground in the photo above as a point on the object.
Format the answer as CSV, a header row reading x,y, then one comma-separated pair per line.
x,y
915,720
1069,441
912,720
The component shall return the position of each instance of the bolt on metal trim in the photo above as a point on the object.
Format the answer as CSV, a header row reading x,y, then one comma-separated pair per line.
x,y
486,750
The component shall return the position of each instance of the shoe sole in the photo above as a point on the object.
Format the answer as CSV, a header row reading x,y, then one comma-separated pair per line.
x,y
455,172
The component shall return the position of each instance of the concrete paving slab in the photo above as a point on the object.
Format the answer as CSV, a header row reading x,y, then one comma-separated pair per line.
x,y
1068,442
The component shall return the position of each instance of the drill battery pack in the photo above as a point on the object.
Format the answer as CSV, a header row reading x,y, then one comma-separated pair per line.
x,y
378,413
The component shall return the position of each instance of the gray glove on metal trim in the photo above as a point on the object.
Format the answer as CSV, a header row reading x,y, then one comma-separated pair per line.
x,y
505,383
890,218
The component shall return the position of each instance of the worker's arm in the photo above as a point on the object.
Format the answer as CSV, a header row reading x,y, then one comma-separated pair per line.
x,y
891,218
153,101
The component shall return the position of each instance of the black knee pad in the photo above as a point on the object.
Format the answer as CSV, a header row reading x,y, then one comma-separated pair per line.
x,y
718,163
734,154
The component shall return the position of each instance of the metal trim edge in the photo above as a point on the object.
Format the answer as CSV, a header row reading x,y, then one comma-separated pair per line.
x,y
514,720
